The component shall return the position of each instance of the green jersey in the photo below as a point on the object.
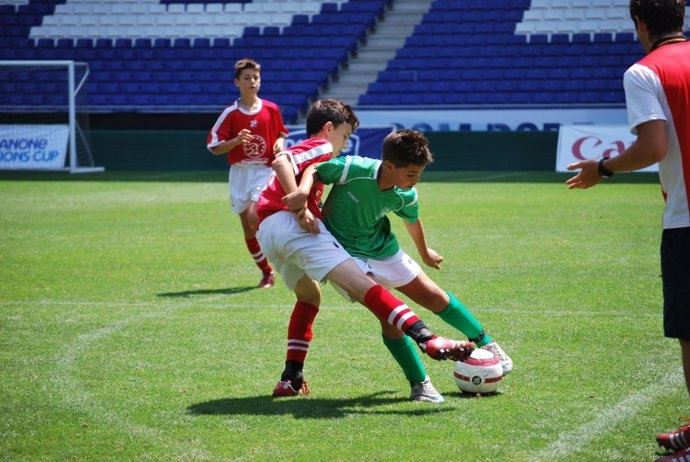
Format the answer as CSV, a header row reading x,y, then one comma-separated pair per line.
x,y
355,209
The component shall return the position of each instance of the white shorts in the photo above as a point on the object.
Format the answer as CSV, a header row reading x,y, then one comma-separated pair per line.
x,y
391,272
295,253
246,181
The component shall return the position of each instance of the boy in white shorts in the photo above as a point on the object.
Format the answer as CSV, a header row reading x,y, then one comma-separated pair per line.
x,y
364,190
250,132
305,257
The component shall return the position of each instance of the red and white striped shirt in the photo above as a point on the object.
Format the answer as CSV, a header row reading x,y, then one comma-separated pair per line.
x,y
657,87
265,123
302,155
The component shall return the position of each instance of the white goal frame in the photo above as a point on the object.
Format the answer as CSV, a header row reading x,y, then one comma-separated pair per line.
x,y
73,88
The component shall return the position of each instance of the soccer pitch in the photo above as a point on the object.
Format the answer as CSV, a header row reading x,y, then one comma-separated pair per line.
x,y
130,328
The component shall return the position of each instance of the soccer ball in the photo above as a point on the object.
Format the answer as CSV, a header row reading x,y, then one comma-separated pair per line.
x,y
480,373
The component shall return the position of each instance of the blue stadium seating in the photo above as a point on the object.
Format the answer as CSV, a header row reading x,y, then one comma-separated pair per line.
x,y
462,53
481,48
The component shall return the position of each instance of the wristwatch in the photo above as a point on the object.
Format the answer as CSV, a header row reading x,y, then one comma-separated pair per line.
x,y
603,171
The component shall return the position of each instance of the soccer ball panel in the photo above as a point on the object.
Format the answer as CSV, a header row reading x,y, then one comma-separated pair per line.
x,y
480,373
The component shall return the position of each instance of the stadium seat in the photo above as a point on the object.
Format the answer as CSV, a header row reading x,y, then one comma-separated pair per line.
x,y
527,51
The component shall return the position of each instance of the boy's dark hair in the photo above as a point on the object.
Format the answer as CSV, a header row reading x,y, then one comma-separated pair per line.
x,y
246,63
660,16
406,147
330,110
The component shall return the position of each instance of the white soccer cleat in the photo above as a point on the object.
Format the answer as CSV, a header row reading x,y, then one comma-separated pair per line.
x,y
425,391
506,362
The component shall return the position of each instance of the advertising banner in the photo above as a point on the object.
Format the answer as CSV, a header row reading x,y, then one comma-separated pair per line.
x,y
33,147
365,141
490,120
581,142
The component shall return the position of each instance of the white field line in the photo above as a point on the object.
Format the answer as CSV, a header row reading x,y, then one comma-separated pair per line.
x,y
213,300
74,394
605,422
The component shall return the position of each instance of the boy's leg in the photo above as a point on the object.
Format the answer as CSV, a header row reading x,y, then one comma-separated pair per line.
x,y
395,312
268,278
427,293
403,350
300,334
245,185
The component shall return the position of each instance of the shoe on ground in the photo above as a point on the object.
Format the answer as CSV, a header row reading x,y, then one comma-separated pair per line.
x,y
675,440
267,280
506,362
441,348
425,391
284,388
681,456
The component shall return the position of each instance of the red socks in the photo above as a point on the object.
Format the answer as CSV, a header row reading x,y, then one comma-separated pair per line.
x,y
300,331
258,256
389,308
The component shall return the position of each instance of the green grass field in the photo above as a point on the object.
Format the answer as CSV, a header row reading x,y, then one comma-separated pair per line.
x,y
130,328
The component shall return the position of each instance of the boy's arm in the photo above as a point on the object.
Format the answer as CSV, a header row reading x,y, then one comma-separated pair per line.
x,y
429,256
283,168
285,172
224,146
297,200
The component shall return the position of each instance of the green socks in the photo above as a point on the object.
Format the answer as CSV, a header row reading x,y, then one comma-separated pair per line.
x,y
404,350
458,316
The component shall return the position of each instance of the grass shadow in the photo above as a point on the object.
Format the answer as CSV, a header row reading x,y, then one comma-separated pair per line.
x,y
190,293
311,408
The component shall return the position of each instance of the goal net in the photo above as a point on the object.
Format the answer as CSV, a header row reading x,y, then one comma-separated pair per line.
x,y
44,118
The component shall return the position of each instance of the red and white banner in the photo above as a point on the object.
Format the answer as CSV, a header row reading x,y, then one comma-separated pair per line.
x,y
581,142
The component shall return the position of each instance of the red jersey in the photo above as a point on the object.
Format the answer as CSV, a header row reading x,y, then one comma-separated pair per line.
x,y
265,123
302,155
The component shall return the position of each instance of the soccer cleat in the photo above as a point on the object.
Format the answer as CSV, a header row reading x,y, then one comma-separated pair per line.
x,y
681,456
425,391
267,280
676,440
506,362
284,388
441,348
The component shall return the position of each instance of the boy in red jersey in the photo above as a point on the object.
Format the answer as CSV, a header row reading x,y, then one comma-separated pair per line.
x,y
249,132
657,96
304,259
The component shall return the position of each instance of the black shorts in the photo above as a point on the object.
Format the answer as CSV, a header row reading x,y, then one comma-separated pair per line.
x,y
675,274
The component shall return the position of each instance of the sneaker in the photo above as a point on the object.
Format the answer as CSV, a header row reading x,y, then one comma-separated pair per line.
x,y
425,391
496,349
679,439
267,280
284,388
441,348
681,456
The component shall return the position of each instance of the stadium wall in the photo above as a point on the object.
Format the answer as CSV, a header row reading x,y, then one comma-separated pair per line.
x,y
186,150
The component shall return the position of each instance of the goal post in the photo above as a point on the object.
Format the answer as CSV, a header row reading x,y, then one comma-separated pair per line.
x,y
44,116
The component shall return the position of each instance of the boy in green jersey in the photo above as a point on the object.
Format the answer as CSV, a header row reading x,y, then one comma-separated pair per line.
x,y
364,191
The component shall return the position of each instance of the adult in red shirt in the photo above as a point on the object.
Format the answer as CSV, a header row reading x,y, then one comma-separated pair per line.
x,y
657,93
250,132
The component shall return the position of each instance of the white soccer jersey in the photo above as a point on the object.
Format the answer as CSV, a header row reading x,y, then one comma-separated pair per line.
x,y
658,88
